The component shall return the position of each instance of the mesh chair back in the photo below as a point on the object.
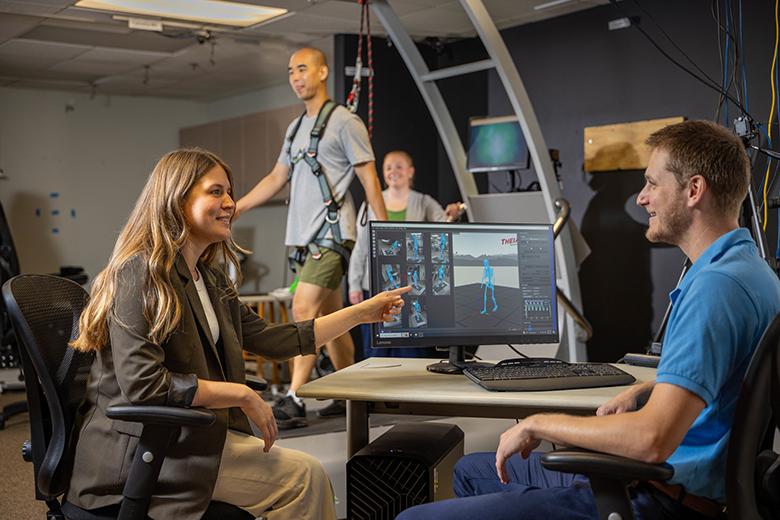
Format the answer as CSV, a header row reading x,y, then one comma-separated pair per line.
x,y
751,492
44,311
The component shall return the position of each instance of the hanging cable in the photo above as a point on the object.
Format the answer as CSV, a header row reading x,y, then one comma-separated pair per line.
x,y
353,98
771,111
742,61
726,75
370,71
712,84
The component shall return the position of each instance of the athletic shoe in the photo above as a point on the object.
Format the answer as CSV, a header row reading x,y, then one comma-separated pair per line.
x,y
338,408
289,414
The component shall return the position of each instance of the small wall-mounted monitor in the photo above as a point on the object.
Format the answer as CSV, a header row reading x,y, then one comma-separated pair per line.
x,y
496,144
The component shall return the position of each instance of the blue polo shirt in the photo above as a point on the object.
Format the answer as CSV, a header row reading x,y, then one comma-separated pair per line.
x,y
719,312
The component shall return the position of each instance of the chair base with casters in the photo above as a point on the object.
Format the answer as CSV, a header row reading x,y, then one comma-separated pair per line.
x,y
10,410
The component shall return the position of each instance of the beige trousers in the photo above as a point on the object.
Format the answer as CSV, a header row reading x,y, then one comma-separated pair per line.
x,y
279,485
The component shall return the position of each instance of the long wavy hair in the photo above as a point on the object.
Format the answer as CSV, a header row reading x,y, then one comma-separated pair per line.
x,y
155,232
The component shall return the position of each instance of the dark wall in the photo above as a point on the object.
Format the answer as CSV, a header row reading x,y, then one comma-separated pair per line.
x,y
401,118
579,74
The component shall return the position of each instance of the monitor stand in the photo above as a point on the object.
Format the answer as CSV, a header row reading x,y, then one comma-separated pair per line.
x,y
456,362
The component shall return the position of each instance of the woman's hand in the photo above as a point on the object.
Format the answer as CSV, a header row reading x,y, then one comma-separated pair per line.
x,y
262,415
355,297
517,439
383,306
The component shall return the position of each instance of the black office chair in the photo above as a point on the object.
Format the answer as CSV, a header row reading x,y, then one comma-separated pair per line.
x,y
752,467
44,311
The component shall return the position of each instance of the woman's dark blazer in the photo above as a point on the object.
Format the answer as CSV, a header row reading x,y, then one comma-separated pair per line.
x,y
132,370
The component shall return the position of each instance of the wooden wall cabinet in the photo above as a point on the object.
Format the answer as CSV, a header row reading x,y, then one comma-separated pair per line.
x,y
249,144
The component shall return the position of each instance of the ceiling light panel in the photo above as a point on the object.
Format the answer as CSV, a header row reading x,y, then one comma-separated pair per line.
x,y
205,11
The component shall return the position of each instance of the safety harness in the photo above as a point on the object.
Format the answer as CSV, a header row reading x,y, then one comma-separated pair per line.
x,y
332,216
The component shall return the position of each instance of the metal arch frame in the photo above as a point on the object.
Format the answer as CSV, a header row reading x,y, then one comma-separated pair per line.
x,y
571,347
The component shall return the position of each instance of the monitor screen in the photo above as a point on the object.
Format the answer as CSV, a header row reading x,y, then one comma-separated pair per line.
x,y
472,284
496,144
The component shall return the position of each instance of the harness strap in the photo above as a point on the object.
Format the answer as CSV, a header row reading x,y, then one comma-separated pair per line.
x,y
332,206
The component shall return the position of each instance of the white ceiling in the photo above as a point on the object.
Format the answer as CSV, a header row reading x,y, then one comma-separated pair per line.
x,y
51,44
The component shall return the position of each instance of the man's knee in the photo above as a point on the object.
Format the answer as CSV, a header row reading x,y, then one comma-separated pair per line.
x,y
467,469
459,477
306,307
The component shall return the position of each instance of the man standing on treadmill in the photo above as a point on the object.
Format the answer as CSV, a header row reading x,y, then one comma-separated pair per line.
x,y
322,152
696,180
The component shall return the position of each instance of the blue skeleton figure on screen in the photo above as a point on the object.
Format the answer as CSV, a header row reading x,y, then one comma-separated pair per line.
x,y
391,277
417,309
443,246
441,275
486,283
415,246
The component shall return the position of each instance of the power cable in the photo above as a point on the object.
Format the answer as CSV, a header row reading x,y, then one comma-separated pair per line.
x,y
709,84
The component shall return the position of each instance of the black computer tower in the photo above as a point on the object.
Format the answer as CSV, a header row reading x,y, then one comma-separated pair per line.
x,y
410,464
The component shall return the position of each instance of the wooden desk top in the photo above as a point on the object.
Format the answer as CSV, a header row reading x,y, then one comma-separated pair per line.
x,y
407,380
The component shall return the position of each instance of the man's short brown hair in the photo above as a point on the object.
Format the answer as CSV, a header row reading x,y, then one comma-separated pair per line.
x,y
712,151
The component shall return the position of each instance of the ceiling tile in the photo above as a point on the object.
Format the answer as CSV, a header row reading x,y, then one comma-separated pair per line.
x,y
303,23
13,25
23,48
132,82
136,40
98,68
439,22
124,56
34,7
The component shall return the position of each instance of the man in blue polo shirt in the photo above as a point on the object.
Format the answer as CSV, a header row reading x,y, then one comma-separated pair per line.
x,y
696,179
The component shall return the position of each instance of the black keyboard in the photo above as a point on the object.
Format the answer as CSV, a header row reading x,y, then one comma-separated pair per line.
x,y
532,374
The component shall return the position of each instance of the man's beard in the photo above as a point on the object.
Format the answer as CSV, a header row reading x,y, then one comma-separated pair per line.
x,y
675,224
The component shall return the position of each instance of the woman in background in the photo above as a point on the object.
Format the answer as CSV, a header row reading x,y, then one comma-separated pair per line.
x,y
168,329
403,204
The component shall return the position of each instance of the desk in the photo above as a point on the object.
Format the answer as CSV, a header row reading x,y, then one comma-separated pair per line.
x,y
404,386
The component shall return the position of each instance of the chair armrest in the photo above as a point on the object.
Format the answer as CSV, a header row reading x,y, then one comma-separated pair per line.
x,y
603,465
258,384
162,415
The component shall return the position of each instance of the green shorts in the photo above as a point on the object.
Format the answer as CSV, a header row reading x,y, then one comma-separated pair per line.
x,y
326,272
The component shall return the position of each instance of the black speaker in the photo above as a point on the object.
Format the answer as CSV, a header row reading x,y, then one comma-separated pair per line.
x,y
410,464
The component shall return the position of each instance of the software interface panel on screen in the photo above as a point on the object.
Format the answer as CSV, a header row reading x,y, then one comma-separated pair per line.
x,y
471,283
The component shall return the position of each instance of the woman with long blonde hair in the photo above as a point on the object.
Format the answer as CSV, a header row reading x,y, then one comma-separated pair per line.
x,y
168,329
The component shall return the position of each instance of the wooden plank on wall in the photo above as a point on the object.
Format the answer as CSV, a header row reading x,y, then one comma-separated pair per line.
x,y
249,144
621,146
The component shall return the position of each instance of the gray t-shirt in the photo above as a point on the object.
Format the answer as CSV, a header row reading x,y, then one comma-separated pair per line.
x,y
344,144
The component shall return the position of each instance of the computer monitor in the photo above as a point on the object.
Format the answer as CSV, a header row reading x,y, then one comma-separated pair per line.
x,y
471,284
496,144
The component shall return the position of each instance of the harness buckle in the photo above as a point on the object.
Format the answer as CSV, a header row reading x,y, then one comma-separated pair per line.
x,y
331,221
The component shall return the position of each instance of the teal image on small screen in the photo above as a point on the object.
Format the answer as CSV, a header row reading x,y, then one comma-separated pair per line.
x,y
497,146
